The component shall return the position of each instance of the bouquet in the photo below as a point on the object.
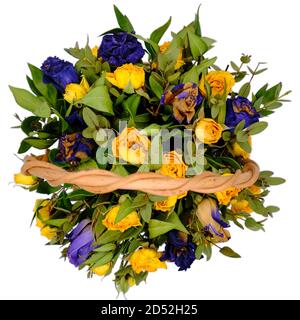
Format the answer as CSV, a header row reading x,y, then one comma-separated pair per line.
x,y
146,151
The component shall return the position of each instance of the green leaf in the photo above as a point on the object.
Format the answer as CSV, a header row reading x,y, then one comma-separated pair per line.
x,y
191,76
234,66
106,248
174,219
123,21
132,104
275,181
245,90
140,200
56,222
157,228
24,147
228,252
47,90
253,225
257,206
120,170
90,118
109,236
199,251
124,211
272,209
272,93
156,87
242,136
155,198
98,98
257,127
146,212
39,143
197,25
197,45
245,146
45,188
265,174
87,165
79,195
104,260
240,126
37,105
157,34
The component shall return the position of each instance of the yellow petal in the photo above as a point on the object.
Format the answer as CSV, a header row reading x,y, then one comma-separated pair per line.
x,y
25,180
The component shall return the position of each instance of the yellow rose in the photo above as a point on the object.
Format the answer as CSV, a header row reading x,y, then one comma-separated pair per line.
x,y
208,131
131,220
224,197
126,74
131,146
48,232
210,218
255,190
75,91
24,180
102,270
164,47
166,205
240,152
241,206
218,82
146,259
173,165
95,51
42,211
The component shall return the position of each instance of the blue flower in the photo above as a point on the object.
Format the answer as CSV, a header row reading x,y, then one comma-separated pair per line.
x,y
179,251
59,73
76,122
73,148
239,109
120,48
184,98
81,239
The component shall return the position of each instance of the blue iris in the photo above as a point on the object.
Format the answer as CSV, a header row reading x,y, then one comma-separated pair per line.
x,y
59,72
81,239
239,109
179,251
120,48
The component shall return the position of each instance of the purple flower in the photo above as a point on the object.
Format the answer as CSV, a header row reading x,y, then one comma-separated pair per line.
x,y
184,98
73,148
239,109
81,239
120,48
59,73
76,122
180,251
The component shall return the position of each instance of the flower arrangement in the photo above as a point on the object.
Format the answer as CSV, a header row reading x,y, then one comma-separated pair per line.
x,y
146,162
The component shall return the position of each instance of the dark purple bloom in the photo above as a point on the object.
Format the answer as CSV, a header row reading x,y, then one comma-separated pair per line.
x,y
120,48
73,148
179,251
59,73
239,109
81,239
184,98
76,122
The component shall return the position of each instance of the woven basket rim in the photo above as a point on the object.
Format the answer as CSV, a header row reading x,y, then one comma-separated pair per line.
x,y
101,181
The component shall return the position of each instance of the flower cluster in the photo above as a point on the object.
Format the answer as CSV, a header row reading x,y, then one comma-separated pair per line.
x,y
176,93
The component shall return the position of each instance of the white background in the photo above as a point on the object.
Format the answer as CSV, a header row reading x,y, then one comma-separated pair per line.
x,y
33,30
